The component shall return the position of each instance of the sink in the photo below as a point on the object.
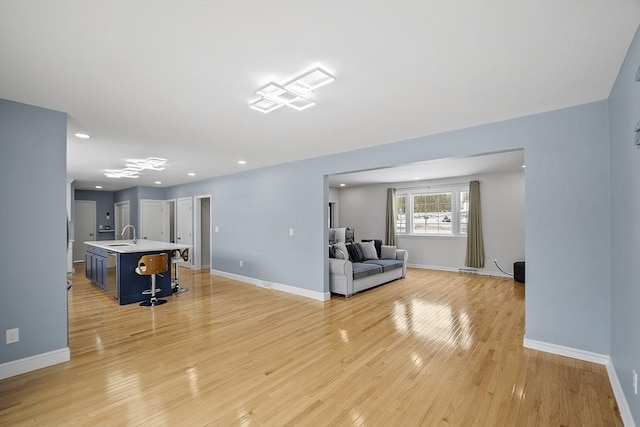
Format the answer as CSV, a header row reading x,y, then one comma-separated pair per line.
x,y
121,244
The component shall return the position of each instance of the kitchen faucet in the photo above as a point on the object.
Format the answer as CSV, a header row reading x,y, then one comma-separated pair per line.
x,y
135,240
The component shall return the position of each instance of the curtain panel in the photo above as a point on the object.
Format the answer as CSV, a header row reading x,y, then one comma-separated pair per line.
x,y
475,243
390,226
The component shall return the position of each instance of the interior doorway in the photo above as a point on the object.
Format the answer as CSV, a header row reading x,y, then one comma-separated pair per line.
x,y
169,221
202,232
185,224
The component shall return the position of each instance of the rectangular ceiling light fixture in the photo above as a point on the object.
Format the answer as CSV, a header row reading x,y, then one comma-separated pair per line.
x,y
135,166
291,94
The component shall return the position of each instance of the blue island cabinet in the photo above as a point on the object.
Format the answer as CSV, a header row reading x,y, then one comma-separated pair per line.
x,y
95,266
131,284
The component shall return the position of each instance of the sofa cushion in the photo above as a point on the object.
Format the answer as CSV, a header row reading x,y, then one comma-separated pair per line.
x,y
389,252
363,269
385,264
340,250
377,243
369,250
355,252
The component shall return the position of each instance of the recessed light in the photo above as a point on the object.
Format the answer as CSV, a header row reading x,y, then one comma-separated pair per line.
x,y
82,135
416,177
158,182
191,174
523,166
242,162
342,185
98,187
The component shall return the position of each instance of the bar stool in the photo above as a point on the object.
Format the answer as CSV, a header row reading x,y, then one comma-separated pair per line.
x,y
178,257
150,265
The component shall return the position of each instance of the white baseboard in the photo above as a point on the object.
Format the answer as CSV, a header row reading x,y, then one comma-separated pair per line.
x,y
39,361
588,356
623,404
455,270
574,353
319,296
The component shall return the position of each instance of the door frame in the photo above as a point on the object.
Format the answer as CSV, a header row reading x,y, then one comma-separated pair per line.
x,y
197,230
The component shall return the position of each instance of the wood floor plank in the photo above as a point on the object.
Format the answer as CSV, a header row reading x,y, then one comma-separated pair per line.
x,y
433,349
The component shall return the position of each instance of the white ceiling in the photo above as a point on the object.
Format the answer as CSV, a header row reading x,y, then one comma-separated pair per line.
x,y
510,161
173,79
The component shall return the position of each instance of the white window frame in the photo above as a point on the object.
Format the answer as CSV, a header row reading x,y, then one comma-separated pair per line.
x,y
455,191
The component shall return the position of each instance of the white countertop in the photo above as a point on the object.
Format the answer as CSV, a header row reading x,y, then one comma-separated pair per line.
x,y
127,246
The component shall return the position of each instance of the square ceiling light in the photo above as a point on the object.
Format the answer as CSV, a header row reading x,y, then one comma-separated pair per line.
x,y
309,81
291,94
265,105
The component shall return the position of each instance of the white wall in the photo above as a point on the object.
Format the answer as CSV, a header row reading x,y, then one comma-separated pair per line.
x,y
502,196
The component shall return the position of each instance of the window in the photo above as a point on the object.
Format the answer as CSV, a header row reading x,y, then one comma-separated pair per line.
x,y
424,212
464,211
432,213
401,214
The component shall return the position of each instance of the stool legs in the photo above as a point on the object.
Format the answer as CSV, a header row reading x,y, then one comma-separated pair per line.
x,y
177,288
153,301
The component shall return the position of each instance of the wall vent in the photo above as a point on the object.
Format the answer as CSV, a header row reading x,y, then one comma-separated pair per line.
x,y
467,270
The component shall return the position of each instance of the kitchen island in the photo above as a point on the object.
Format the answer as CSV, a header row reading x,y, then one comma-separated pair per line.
x,y
111,266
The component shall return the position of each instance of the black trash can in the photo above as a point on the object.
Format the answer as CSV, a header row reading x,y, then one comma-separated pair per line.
x,y
518,271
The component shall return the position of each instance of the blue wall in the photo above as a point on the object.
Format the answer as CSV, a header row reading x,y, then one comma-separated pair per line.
x,y
33,247
566,227
104,204
624,113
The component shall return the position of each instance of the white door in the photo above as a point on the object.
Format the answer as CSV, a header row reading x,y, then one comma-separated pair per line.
x,y
185,223
121,218
85,227
151,214
202,233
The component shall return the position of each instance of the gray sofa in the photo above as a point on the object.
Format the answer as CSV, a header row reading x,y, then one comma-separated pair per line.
x,y
347,277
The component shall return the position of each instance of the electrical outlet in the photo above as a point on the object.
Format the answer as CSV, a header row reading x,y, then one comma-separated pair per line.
x,y
241,263
12,335
291,232
635,382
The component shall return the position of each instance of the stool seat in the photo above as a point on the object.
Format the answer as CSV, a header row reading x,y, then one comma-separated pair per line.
x,y
152,265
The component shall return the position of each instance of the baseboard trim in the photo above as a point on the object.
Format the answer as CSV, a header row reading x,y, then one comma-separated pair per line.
x,y
574,353
455,270
32,363
623,404
319,296
588,356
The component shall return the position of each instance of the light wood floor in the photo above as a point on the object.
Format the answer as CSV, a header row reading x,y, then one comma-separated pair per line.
x,y
434,349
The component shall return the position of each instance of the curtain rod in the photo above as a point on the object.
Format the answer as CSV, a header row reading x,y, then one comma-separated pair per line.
x,y
452,184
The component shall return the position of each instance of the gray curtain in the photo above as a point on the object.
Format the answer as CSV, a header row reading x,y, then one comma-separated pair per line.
x,y
475,244
390,226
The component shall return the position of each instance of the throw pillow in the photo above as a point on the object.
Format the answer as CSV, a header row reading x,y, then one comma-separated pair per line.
x,y
355,252
341,250
377,243
369,250
389,252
